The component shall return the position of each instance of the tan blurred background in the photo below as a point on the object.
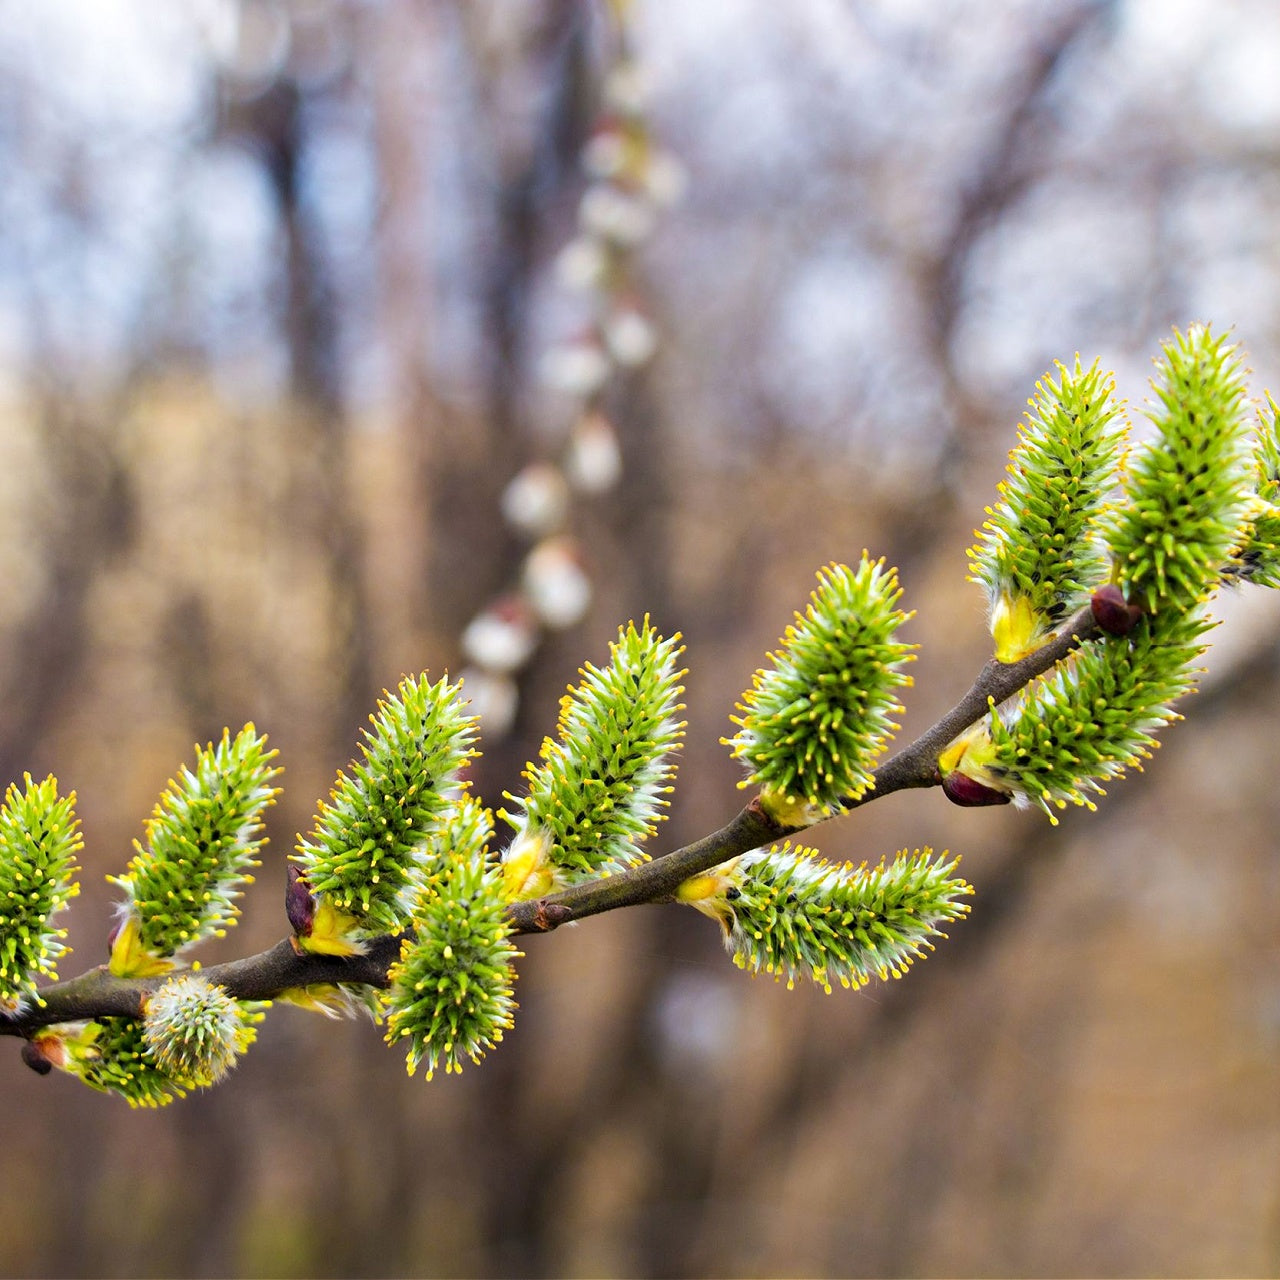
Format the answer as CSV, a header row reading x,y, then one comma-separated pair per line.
x,y
275,284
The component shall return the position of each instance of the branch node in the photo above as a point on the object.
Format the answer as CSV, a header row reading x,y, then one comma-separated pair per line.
x,y
549,915
35,1059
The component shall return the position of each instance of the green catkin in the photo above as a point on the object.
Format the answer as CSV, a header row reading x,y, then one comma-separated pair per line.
x,y
402,848
190,1037
451,997
39,841
111,1055
812,725
1257,557
202,841
601,785
1175,525
365,858
194,1031
1097,714
1188,489
1039,554
791,914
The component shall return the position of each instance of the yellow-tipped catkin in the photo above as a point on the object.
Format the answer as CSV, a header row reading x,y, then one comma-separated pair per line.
x,y
1039,554
368,855
1188,490
791,914
39,841
601,785
814,722
202,842
451,996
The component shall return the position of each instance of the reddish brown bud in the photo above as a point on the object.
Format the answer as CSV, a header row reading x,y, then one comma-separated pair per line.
x,y
299,905
35,1058
1112,612
963,790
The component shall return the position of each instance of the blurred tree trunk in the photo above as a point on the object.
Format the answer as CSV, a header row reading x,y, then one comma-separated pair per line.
x,y
275,123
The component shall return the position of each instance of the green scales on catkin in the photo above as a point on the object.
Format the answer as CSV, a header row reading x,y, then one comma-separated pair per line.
x,y
791,914
39,841
813,724
201,843
1185,496
1098,714
364,860
601,785
1188,489
111,1055
1039,554
451,991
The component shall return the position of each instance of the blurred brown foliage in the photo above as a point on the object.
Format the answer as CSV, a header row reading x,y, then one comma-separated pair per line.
x,y
1082,1080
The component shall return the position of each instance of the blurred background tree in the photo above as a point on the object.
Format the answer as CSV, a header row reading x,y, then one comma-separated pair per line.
x,y
277,281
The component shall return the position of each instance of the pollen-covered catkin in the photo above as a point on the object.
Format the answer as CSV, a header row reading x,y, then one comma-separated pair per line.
x,y
39,841
813,723
791,914
1039,554
601,785
366,857
202,842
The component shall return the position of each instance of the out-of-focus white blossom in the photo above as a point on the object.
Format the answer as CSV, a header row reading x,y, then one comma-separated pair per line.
x,y
536,500
617,215
556,583
627,87
494,698
579,368
501,638
583,263
630,337
593,459
664,178
606,153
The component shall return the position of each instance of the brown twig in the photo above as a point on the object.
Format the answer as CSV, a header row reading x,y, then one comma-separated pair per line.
x,y
266,975
100,994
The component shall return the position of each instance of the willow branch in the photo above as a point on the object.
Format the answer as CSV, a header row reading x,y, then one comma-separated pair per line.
x,y
266,976
917,765
100,994
914,766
